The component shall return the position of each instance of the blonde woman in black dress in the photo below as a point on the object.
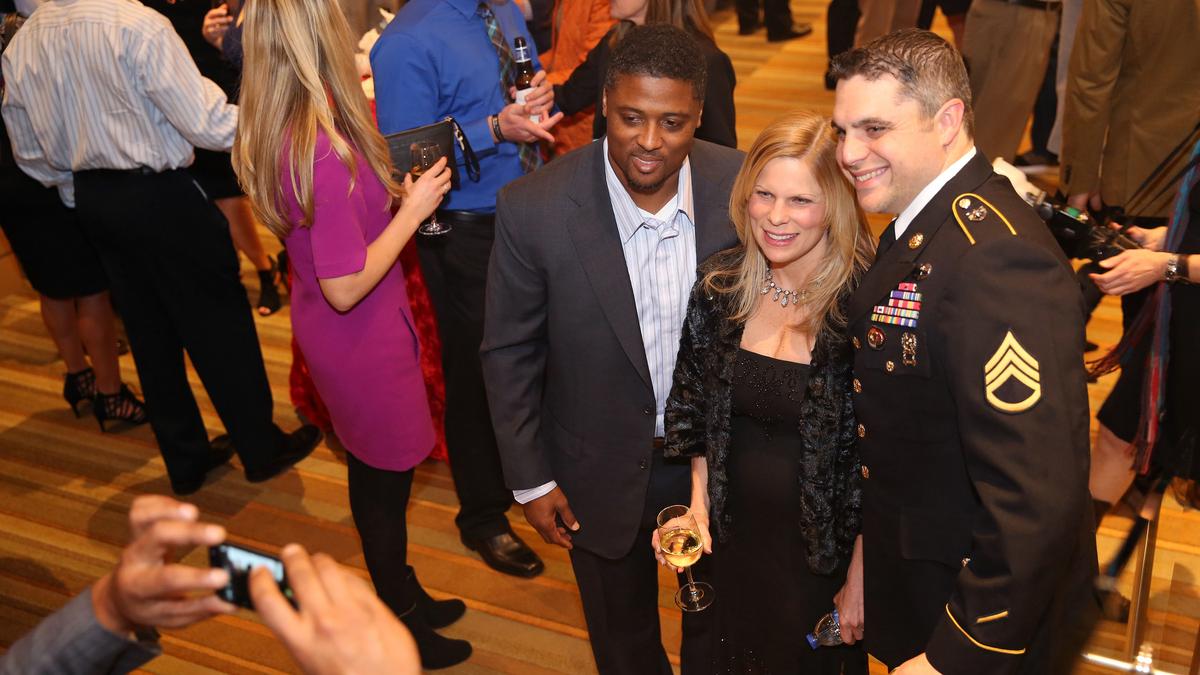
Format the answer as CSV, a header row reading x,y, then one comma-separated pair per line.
x,y
762,402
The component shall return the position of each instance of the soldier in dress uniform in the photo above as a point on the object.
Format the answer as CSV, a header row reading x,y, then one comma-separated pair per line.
x,y
970,387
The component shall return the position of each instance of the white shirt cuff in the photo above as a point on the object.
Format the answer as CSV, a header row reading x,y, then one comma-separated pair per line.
x,y
526,496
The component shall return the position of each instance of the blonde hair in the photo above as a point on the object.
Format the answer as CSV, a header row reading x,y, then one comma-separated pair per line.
x,y
299,76
688,15
805,136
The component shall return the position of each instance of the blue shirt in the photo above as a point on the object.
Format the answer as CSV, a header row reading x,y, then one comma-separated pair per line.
x,y
435,59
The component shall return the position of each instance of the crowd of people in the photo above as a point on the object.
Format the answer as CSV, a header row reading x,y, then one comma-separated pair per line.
x,y
632,313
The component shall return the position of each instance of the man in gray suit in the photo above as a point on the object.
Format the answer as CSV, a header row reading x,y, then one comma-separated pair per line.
x,y
594,259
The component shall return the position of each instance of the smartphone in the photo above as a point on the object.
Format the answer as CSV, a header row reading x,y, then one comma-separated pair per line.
x,y
239,561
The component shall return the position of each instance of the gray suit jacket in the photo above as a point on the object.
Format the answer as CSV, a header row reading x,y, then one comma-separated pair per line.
x,y
566,372
71,642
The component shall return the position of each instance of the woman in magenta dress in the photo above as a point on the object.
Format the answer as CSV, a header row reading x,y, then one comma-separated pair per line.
x,y
318,174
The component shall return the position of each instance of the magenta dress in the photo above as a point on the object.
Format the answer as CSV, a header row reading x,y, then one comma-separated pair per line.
x,y
365,362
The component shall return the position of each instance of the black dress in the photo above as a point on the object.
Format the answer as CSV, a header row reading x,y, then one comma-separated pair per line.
x,y
1178,449
767,598
46,237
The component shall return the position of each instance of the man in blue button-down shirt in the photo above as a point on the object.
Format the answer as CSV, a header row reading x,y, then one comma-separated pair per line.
x,y
441,58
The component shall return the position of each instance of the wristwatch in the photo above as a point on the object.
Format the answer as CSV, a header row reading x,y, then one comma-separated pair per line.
x,y
1177,268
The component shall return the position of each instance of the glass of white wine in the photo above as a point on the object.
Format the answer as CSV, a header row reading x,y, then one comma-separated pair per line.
x,y
680,543
424,155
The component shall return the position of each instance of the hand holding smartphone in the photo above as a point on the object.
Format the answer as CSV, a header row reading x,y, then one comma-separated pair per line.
x,y
239,561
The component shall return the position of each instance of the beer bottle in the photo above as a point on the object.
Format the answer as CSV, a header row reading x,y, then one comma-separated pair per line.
x,y
524,76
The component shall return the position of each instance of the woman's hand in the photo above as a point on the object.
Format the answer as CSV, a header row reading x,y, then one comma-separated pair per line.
x,y
422,196
700,513
1152,238
216,23
849,600
1131,271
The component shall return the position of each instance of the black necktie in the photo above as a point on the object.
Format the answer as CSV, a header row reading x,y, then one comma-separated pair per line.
x,y
886,239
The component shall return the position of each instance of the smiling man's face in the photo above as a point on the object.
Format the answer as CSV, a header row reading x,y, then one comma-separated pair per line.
x,y
886,144
651,127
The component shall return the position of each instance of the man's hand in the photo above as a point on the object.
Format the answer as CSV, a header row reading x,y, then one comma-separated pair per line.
x,y
1152,238
516,125
216,23
541,97
1131,271
146,588
917,665
540,513
1085,200
849,600
341,626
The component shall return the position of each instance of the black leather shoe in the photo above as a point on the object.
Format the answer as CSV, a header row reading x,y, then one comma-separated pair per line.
x,y
750,29
508,554
799,31
292,448
222,450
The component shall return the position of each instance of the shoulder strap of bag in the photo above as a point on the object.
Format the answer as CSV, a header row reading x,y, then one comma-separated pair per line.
x,y
469,157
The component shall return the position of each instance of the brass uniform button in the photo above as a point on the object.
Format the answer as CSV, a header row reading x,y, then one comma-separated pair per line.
x,y
890,365
862,431
916,240
857,386
855,341
866,473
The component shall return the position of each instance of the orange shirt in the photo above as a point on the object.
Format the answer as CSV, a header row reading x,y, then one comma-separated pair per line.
x,y
577,28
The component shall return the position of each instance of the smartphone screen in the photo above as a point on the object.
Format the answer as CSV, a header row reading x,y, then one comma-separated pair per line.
x,y
239,561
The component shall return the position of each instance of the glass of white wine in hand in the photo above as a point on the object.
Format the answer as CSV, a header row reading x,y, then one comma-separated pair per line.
x,y
424,155
681,545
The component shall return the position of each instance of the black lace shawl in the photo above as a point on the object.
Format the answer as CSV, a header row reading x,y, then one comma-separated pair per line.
x,y
698,422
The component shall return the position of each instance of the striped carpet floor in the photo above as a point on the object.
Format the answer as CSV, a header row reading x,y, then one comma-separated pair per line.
x,y
65,488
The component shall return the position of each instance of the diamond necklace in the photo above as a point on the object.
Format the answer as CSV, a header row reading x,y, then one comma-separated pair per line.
x,y
778,294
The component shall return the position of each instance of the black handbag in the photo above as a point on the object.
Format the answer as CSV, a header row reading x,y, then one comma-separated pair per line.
x,y
447,134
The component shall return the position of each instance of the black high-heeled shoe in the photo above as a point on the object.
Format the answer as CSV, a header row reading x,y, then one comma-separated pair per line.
x,y
268,291
78,389
122,406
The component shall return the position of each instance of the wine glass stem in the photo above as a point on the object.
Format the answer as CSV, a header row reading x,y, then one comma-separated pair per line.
x,y
691,584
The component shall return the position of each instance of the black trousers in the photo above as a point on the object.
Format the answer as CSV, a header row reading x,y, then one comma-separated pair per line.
x,y
777,16
379,504
841,20
174,276
455,267
620,597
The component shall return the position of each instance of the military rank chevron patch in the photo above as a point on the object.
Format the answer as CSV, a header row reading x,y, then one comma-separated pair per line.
x,y
1012,364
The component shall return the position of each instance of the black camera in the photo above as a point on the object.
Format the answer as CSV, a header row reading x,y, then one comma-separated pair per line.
x,y
1078,234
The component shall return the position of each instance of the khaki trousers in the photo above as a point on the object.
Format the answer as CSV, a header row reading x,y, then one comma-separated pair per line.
x,y
1007,48
880,17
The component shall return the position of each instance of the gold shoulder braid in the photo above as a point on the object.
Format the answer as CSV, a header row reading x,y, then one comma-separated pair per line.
x,y
970,206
